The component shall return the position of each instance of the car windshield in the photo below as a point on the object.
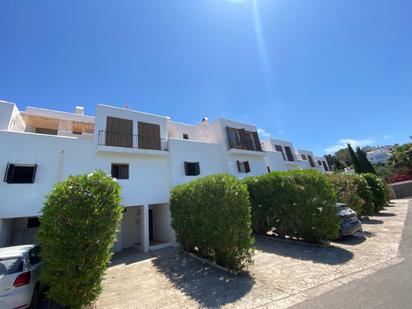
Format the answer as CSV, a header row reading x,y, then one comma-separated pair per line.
x,y
10,266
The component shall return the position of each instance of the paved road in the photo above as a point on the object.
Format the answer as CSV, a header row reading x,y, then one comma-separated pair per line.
x,y
390,288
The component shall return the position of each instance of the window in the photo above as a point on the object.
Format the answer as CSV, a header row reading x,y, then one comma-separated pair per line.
x,y
33,222
280,149
325,166
234,138
185,136
312,163
243,166
192,168
242,139
268,168
120,171
289,154
45,131
20,173
319,162
304,157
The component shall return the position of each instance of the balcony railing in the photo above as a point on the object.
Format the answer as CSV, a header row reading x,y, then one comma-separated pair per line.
x,y
234,145
116,139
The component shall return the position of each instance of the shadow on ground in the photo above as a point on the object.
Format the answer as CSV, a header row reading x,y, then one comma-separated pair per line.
x,y
351,240
385,214
130,256
331,256
207,285
371,221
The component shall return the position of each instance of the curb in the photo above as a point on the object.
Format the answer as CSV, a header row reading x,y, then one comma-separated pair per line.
x,y
206,261
325,244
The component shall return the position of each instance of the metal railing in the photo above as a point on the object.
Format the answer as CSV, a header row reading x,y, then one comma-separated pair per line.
x,y
234,145
108,138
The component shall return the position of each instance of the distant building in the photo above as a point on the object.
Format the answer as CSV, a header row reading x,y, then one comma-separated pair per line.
x,y
380,155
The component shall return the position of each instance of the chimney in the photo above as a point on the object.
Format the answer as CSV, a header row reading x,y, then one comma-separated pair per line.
x,y
205,120
79,110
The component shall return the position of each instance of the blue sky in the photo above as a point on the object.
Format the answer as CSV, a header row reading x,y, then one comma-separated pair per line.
x,y
316,72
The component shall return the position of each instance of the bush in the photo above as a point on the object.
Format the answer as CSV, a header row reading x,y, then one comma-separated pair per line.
x,y
76,235
379,190
294,203
211,217
354,191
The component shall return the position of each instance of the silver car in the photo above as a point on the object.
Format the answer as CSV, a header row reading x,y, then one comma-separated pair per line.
x,y
19,276
349,220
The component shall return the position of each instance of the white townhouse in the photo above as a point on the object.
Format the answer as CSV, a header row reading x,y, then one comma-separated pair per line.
x,y
148,154
323,164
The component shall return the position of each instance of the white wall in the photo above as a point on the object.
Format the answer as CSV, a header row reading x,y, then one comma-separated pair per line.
x,y
208,155
275,161
6,114
102,111
162,229
130,227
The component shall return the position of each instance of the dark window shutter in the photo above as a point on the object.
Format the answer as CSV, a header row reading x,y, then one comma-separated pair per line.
x,y
34,173
243,141
9,172
197,168
268,168
186,169
247,166
257,141
238,166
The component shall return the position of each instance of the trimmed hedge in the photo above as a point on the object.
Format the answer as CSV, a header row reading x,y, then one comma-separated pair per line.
x,y
211,217
353,190
296,203
379,190
78,228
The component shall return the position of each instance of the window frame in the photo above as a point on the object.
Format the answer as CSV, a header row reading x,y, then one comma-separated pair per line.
x,y
10,172
119,166
243,167
188,168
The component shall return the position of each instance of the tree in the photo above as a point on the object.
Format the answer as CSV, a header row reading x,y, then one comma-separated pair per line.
x,y
344,157
334,163
355,160
365,165
402,157
78,227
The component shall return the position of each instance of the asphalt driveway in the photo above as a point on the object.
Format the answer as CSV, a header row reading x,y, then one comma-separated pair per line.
x,y
283,273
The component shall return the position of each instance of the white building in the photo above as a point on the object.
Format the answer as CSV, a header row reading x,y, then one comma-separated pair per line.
x,y
380,155
148,154
323,164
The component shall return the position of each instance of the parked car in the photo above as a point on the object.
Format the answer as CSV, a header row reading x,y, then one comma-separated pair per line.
x,y
19,277
349,220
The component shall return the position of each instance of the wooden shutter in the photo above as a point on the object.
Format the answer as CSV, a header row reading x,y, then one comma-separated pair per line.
x,y
119,132
239,169
197,168
231,142
257,141
243,141
149,136
186,169
247,166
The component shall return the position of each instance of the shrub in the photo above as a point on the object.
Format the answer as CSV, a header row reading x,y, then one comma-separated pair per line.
x,y
379,191
76,235
211,217
294,203
354,191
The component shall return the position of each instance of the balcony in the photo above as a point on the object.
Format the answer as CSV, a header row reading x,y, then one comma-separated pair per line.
x,y
131,143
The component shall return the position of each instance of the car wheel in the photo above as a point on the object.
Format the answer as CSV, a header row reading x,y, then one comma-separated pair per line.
x,y
35,298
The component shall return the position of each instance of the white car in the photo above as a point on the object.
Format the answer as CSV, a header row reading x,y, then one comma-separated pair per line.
x,y
19,276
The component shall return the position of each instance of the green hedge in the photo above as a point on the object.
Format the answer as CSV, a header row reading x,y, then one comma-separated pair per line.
x,y
211,217
294,203
353,190
379,191
77,231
